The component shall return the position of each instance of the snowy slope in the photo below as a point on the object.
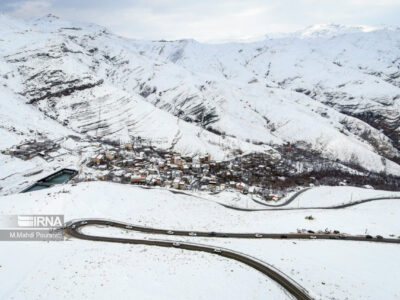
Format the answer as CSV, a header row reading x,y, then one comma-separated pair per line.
x,y
334,88
54,75
95,269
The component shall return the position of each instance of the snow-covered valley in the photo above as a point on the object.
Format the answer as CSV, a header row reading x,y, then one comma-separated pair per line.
x,y
334,89
247,138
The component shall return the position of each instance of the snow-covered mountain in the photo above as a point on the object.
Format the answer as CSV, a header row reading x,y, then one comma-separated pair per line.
x,y
329,88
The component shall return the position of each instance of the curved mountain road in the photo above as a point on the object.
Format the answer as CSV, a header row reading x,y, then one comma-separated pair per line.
x,y
286,282
74,229
344,205
288,201
277,207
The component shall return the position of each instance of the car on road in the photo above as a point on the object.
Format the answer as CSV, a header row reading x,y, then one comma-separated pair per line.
x,y
213,233
258,235
334,237
368,236
192,233
336,231
73,226
217,250
83,222
176,244
313,237
284,236
379,237
128,227
108,223
224,235
310,231
170,232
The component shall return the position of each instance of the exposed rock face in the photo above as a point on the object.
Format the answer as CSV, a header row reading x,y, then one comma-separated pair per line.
x,y
336,89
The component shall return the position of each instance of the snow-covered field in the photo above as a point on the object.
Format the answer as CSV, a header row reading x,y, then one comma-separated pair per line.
x,y
163,209
81,269
85,270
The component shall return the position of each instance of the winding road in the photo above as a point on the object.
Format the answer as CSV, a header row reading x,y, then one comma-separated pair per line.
x,y
74,229
291,286
280,206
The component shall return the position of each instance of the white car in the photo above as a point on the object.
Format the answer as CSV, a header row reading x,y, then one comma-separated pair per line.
x,y
258,235
128,227
170,232
217,250
313,237
192,233
176,244
83,222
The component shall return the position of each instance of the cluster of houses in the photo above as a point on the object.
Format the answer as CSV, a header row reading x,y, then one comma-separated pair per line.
x,y
136,163
269,174
33,148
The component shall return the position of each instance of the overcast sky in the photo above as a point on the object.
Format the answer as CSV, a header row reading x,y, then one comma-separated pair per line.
x,y
209,20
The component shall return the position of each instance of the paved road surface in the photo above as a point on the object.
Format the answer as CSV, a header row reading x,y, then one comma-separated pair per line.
x,y
74,229
286,282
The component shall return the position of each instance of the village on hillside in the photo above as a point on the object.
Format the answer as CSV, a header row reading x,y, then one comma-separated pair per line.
x,y
269,175
140,163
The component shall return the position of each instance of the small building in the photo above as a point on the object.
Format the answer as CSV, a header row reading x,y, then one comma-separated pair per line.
x,y
175,183
182,185
254,189
188,158
196,167
138,179
167,183
152,170
242,186
110,155
103,175
272,197
177,160
119,173
98,159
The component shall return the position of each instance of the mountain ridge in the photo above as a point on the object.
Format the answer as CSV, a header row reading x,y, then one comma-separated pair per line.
x,y
339,95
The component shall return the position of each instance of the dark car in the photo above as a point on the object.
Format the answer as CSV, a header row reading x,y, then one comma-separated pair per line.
x,y
379,237
336,231
284,236
310,231
368,236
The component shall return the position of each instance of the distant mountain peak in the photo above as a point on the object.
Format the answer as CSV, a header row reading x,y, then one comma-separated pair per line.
x,y
331,30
